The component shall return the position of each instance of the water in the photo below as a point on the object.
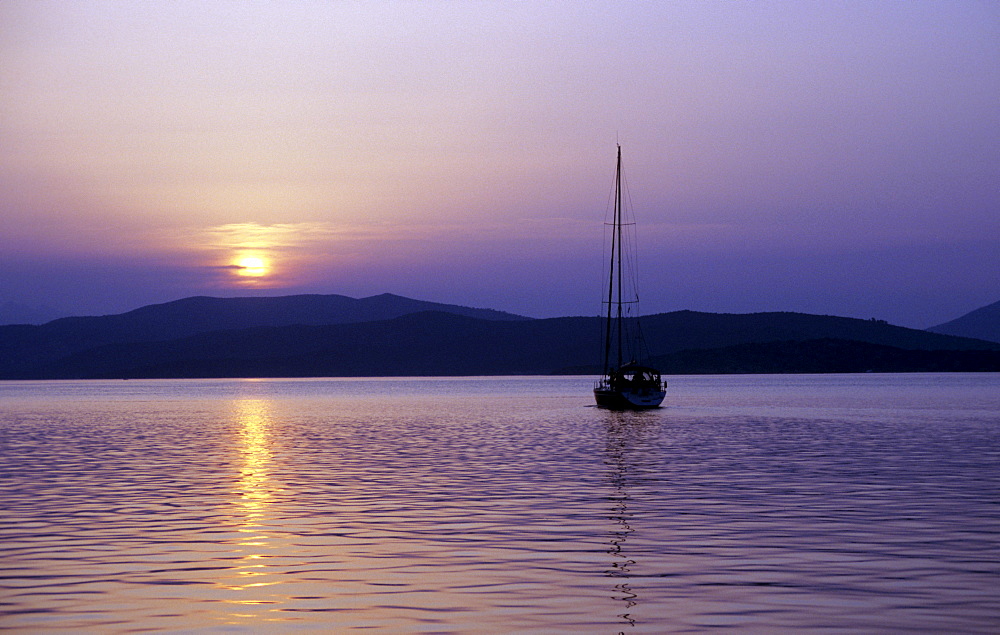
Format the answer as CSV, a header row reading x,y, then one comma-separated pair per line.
x,y
841,503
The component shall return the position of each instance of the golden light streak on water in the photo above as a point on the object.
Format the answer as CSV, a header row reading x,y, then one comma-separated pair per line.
x,y
254,493
252,415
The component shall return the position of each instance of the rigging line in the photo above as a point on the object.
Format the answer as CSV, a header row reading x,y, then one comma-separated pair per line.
x,y
636,342
632,237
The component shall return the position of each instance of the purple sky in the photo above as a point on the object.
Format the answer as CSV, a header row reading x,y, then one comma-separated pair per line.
x,y
839,158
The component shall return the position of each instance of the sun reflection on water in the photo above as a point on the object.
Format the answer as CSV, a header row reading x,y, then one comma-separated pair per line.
x,y
253,416
255,494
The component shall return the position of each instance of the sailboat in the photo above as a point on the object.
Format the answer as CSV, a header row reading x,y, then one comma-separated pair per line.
x,y
624,385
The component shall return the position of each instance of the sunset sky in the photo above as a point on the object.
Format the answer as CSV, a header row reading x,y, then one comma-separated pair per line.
x,y
824,157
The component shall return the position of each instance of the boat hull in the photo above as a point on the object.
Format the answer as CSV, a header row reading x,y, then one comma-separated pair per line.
x,y
627,400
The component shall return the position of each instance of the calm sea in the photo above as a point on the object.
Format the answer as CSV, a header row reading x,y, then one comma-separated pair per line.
x,y
838,503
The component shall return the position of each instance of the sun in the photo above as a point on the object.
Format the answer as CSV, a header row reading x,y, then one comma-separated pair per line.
x,y
252,266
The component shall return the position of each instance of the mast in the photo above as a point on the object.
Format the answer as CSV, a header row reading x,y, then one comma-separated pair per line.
x,y
615,244
618,230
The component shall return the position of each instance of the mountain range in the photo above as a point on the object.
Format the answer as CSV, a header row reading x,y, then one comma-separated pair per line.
x,y
983,323
389,335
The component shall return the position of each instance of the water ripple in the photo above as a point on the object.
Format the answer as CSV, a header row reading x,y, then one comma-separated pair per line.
x,y
846,504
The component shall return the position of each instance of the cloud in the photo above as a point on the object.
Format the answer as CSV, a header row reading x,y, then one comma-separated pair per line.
x,y
253,235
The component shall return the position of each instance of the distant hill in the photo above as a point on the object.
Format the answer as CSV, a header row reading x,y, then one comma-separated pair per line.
x,y
24,346
825,356
695,330
446,343
982,323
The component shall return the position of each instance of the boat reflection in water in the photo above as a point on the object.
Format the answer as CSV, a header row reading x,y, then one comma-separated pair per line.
x,y
622,430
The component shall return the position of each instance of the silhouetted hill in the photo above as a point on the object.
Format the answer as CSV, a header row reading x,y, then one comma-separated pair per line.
x,y
825,356
437,343
420,344
695,330
24,345
983,323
